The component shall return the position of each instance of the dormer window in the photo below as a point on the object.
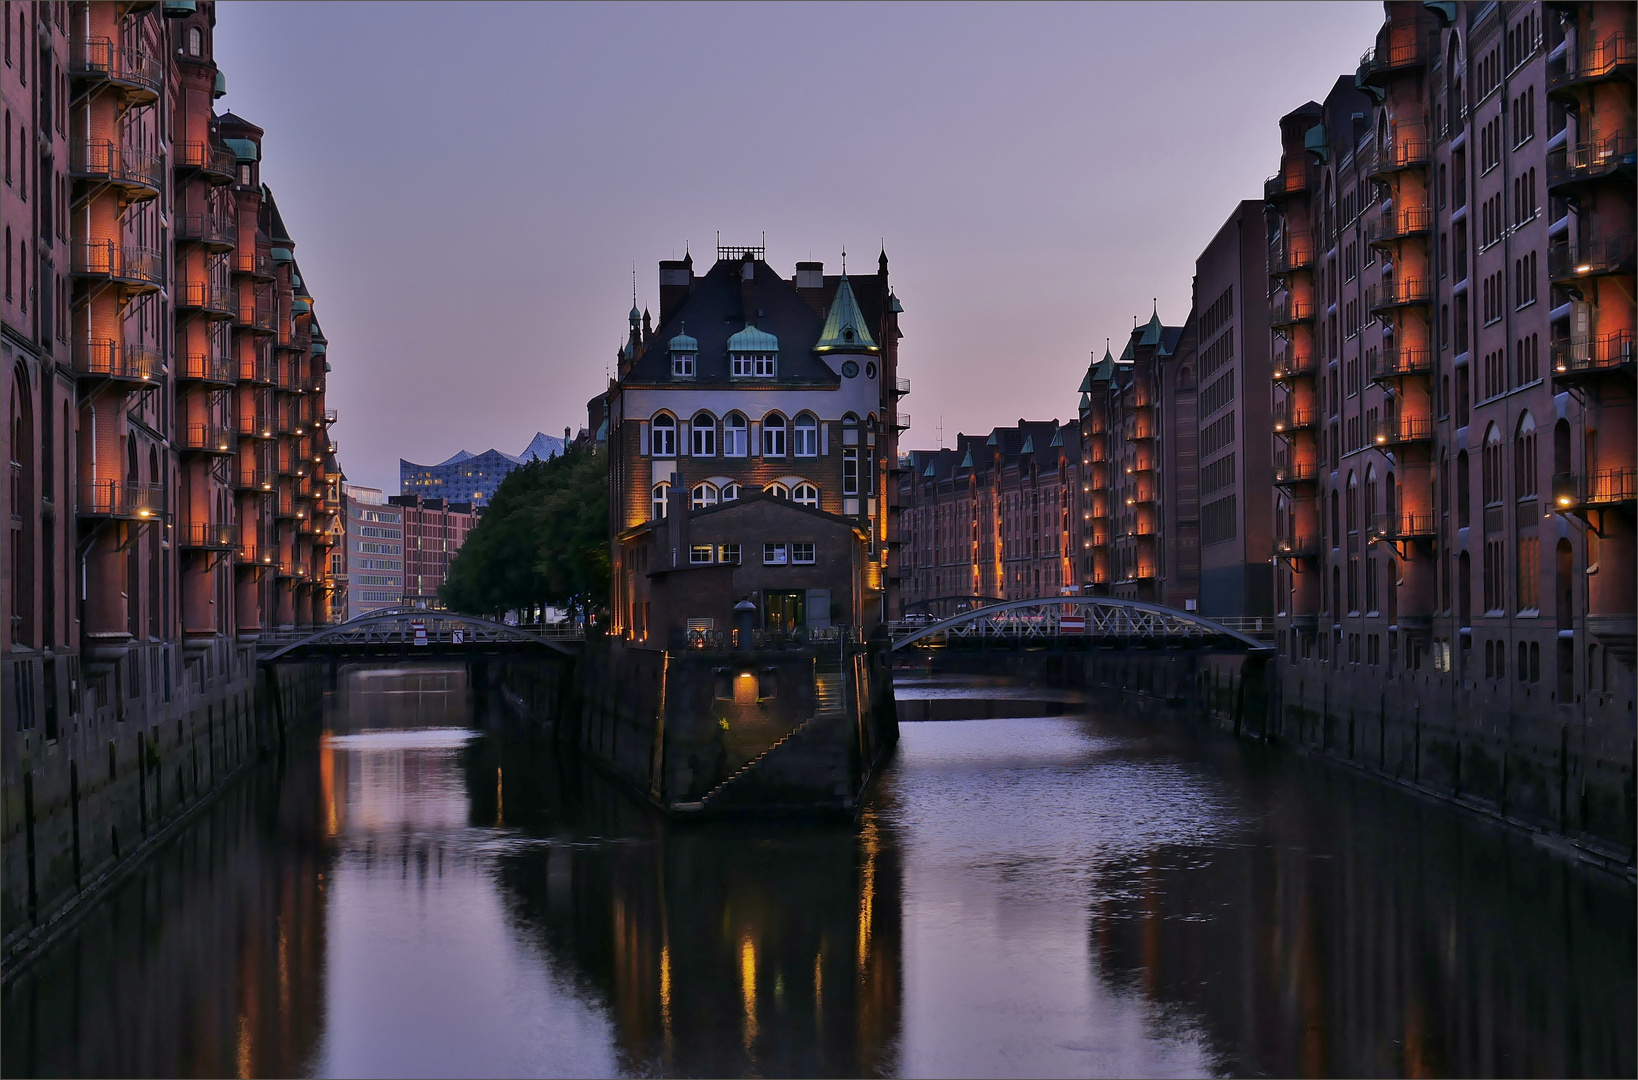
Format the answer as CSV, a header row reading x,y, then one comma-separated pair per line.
x,y
756,365
764,365
753,354
684,349
682,365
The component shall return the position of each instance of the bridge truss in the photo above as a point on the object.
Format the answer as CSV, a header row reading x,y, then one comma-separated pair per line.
x,y
1093,620
399,633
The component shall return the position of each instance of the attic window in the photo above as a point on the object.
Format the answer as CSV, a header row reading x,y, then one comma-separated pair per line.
x,y
682,364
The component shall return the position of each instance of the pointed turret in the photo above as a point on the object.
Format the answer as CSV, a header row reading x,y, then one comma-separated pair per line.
x,y
845,329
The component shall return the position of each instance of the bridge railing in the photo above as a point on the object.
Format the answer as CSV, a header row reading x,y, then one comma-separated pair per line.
x,y
412,630
1050,619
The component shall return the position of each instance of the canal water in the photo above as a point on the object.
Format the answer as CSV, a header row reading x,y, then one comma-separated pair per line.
x,y
1049,890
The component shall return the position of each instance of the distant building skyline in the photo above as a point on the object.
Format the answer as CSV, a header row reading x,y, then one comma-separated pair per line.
x,y
468,477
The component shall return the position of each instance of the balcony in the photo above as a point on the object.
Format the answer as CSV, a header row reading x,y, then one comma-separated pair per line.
x,y
1388,295
1579,360
218,164
901,387
330,417
101,359
208,368
1289,365
214,300
140,174
218,231
258,316
1292,473
1394,57
1141,433
1409,149
1290,420
1402,431
901,421
208,439
210,536
1598,61
1291,252
1599,256
135,72
138,269
119,499
1581,164
253,479
1574,493
259,370
1392,364
1408,525
255,425
255,265
1296,547
1393,225
1283,185
1290,312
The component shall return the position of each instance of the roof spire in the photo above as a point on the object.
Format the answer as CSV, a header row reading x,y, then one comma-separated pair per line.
x,y
845,327
844,260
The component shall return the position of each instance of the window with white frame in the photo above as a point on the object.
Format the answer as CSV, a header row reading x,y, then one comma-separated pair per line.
x,y
805,436
763,365
702,495
735,432
682,364
773,435
730,492
850,470
806,495
704,435
802,552
663,441
661,498
700,553
728,553
776,554
777,490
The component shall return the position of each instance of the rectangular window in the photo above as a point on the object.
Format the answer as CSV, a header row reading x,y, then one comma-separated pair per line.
x,y
775,554
1218,521
850,470
682,364
700,553
741,364
728,553
765,365
802,553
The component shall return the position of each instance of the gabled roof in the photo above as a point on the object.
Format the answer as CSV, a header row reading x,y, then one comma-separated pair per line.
x,y
845,329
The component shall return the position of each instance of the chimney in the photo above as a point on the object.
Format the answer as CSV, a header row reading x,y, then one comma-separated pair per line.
x,y
747,291
676,279
810,285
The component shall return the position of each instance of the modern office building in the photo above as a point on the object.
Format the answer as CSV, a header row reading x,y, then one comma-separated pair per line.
x,y
1451,273
374,549
434,531
163,378
473,478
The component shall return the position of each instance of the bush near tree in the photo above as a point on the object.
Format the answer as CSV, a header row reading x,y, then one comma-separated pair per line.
x,y
543,540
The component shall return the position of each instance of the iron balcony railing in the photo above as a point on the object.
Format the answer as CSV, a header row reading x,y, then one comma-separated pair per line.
x,y
1396,224
901,421
1406,525
119,499
211,536
262,316
103,359
1400,292
1394,363
1291,419
1577,357
1594,62
1581,163
1289,252
215,161
1293,180
1597,256
205,296
1404,53
142,173
1290,311
254,264
130,265
1293,365
1408,149
217,230
901,387
254,478
1401,430
256,425
209,438
210,368
1296,547
330,416
1287,473
257,369
99,59
1605,487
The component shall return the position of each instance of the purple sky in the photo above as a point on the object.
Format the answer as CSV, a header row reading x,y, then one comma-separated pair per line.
x,y
470,185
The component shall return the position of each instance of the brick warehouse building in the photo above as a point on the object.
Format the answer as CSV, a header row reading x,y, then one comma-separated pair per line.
x,y
171,476
1451,273
755,383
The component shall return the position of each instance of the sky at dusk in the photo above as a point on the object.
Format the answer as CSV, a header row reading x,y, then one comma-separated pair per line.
x,y
470,185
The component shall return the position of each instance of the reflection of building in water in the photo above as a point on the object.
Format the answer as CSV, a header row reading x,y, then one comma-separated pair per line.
x,y
718,950
400,697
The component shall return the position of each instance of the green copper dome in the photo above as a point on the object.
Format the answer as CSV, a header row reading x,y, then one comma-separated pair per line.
x,y
752,340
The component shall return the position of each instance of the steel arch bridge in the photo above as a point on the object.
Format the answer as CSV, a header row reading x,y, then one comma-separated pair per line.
x,y
414,633
1097,620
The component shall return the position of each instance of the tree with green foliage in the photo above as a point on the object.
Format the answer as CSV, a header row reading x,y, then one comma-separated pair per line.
x,y
542,540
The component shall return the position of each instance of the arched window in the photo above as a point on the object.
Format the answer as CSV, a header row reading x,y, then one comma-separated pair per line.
x,y
734,431
1464,490
1370,496
1353,503
1524,458
702,495
730,492
806,495
196,41
131,473
664,440
661,499
1492,466
773,435
704,435
778,490
805,440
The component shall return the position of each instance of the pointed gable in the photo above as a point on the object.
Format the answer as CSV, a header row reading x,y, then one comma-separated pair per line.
x,y
845,329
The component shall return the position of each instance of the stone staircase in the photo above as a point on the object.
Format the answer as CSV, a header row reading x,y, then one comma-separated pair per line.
x,y
750,766
829,694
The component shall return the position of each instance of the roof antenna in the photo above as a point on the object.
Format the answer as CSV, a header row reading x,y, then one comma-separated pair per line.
x,y
941,431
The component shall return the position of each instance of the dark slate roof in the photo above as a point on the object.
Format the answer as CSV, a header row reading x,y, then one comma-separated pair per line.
x,y
717,307
275,229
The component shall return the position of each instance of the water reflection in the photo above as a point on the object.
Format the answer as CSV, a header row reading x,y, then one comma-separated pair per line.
x,y
1061,894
